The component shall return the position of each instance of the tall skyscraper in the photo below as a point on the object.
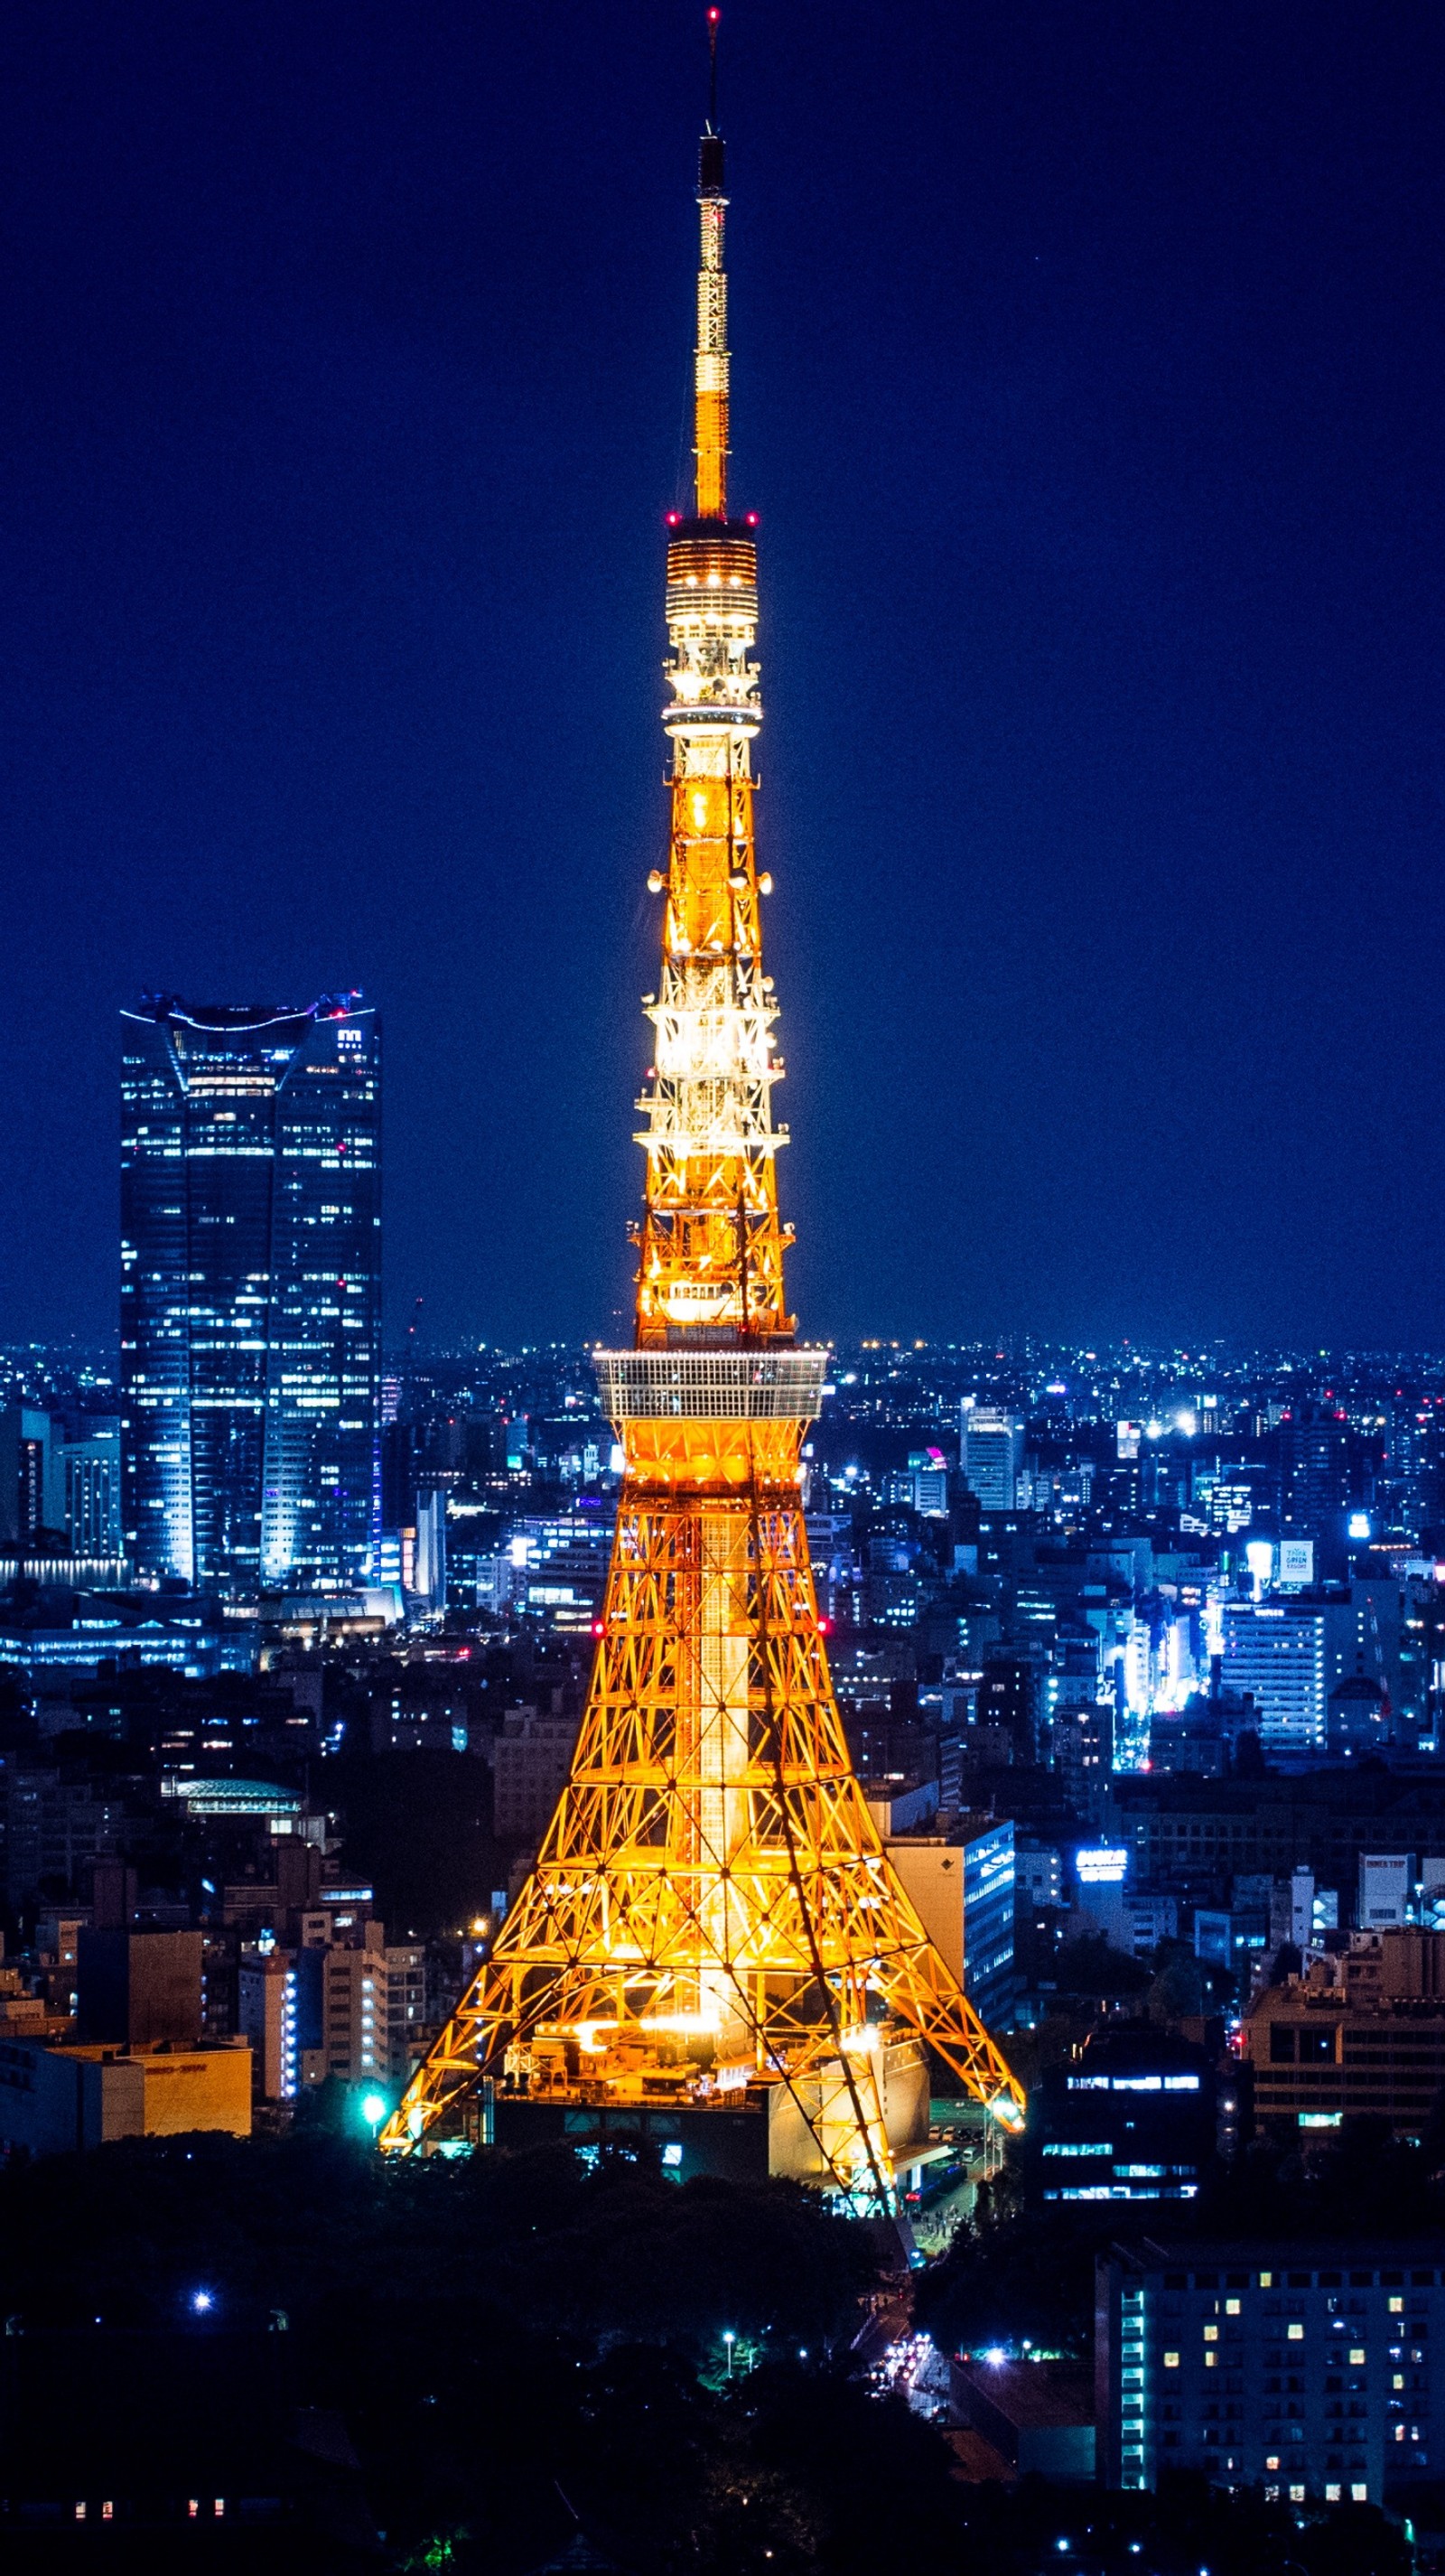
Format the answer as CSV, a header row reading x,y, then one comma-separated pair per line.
x,y
1314,1457
250,1291
713,1948
90,1466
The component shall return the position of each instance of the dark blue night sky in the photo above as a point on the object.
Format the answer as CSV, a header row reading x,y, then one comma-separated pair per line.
x,y
1088,378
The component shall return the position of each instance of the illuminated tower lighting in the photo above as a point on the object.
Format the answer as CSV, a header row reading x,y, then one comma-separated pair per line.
x,y
712,1924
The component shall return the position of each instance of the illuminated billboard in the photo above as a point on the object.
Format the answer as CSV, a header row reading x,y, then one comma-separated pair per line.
x,y
1101,1865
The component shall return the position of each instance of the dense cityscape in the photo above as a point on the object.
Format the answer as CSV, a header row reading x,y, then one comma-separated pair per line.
x,y
1141,1661
722,1949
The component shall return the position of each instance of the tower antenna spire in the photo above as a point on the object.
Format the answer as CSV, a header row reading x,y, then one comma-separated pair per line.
x,y
710,361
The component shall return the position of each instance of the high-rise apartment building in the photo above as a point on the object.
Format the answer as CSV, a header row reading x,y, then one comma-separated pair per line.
x,y
1314,1457
991,1452
250,1291
1277,1653
1303,2367
963,1886
375,2007
32,1492
90,1468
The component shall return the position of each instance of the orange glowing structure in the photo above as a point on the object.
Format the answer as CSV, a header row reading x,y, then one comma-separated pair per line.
x,y
712,1924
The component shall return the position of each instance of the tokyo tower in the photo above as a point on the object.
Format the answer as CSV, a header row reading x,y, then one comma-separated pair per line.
x,y
713,1949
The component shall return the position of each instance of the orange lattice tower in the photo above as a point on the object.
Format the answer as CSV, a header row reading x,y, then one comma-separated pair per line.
x,y
712,1944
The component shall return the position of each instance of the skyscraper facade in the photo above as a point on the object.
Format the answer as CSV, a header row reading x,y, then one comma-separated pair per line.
x,y
1314,1448
250,1291
1277,1654
991,1454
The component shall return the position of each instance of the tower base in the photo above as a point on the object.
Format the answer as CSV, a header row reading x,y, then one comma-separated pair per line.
x,y
760,2131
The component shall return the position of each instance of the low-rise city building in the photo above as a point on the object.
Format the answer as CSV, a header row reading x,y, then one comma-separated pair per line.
x,y
962,1884
1132,2117
55,2100
1360,2033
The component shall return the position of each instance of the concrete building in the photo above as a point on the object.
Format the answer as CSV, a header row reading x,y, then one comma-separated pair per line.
x,y
1276,1652
56,2100
138,1987
1232,1938
530,1762
279,2010
907,1809
922,1486
1131,2118
52,1826
1314,1477
556,1568
1105,1899
962,1884
1039,1873
1362,2032
1358,1719
1303,2368
374,2011
32,1486
1386,1880
1036,2416
1011,1706
1081,1750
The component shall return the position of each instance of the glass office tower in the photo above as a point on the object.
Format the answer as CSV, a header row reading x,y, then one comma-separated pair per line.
x,y
250,1291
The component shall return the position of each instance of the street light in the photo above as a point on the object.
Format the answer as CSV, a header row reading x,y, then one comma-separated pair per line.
x,y
730,2339
373,2112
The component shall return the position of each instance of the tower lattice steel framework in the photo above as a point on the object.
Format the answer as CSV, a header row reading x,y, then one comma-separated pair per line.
x,y
712,1919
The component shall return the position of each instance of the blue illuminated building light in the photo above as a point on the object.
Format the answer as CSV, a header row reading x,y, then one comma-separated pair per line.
x,y
250,1292
1132,2119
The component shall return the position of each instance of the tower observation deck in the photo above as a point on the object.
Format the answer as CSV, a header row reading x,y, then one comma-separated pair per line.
x,y
712,1947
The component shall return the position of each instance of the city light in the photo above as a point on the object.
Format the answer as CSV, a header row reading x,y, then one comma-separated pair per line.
x,y
202,2302
374,2108
1259,1557
1101,1865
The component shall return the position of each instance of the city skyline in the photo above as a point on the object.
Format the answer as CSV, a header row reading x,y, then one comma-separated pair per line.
x,y
888,1886
1083,803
